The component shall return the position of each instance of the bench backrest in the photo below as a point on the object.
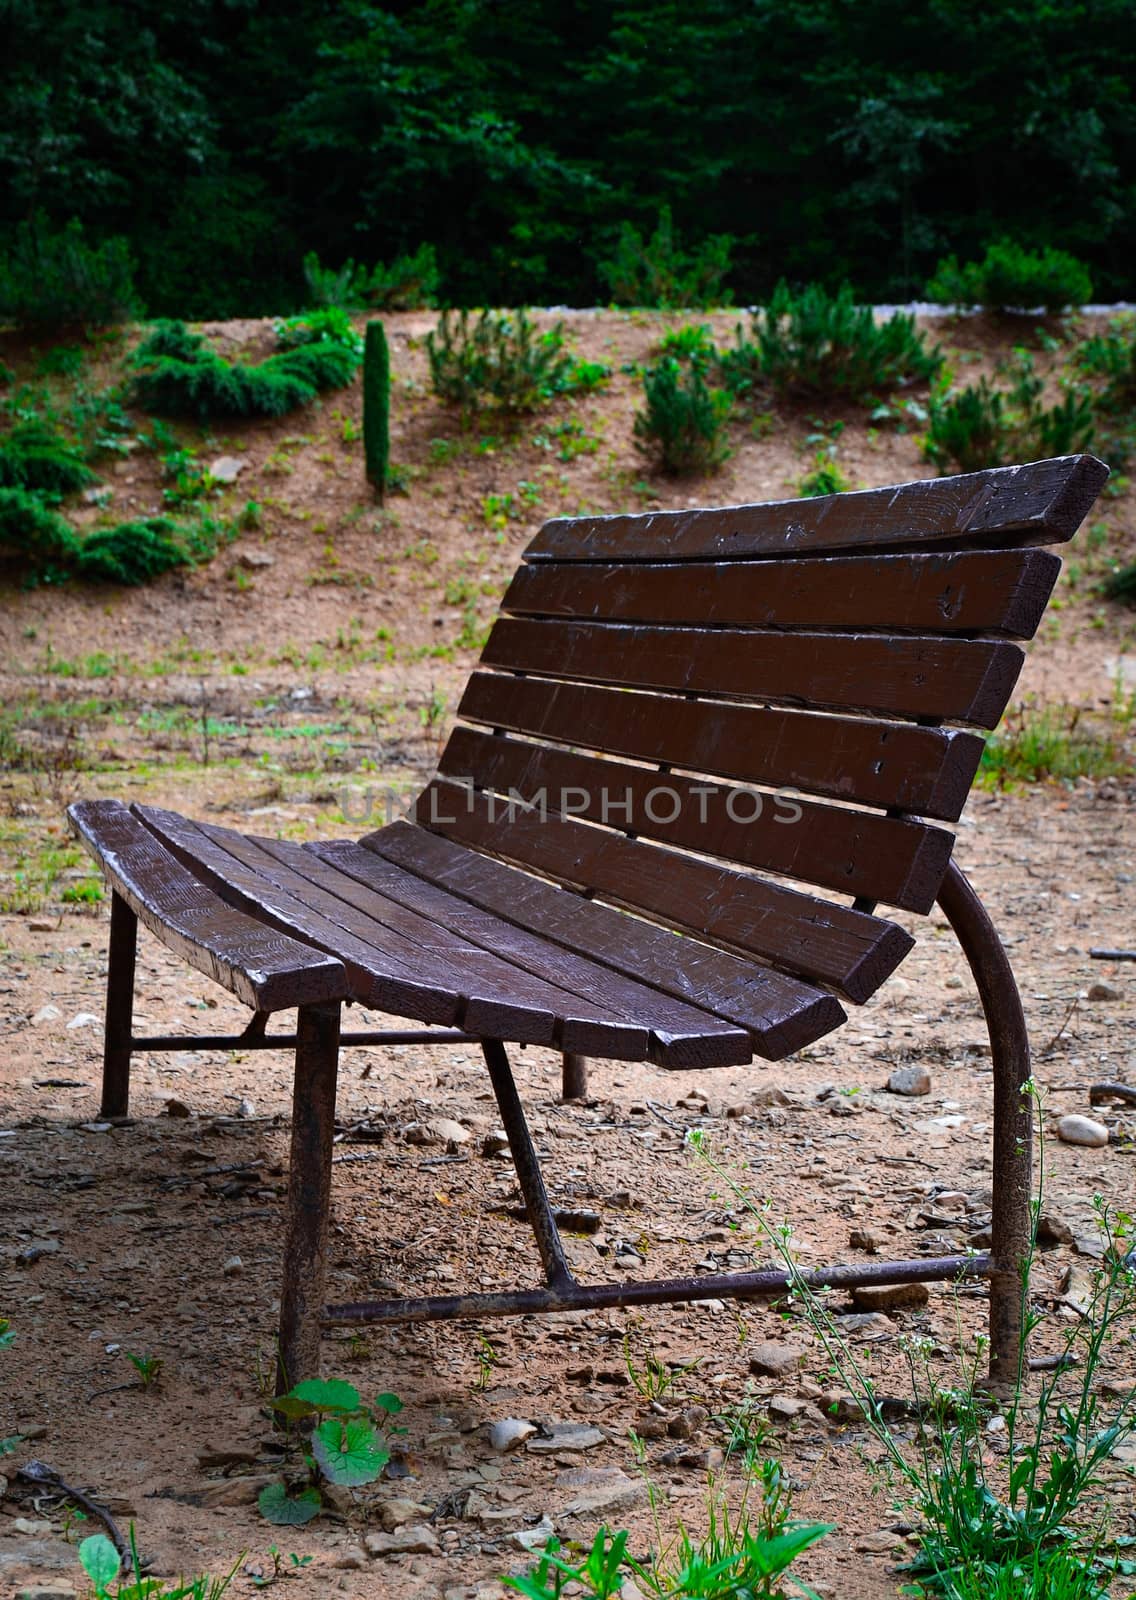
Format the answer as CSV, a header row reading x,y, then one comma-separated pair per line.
x,y
666,677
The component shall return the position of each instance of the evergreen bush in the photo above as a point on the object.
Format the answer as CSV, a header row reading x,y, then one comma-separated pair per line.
x,y
410,283
498,360
177,375
659,272
35,536
309,327
376,407
132,553
1112,356
817,344
1011,278
34,455
984,426
54,279
683,424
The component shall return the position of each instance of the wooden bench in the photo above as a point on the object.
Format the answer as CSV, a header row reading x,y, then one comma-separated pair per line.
x,y
683,725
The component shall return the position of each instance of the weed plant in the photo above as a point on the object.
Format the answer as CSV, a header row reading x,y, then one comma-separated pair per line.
x,y
1011,278
991,1519
410,283
347,1445
177,375
692,342
659,272
817,344
500,362
1121,585
1111,356
53,278
985,426
683,425
103,1566
1057,744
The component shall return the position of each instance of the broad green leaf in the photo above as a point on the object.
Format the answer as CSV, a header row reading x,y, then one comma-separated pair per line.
x,y
326,1394
99,1560
288,1511
9,1444
390,1403
350,1453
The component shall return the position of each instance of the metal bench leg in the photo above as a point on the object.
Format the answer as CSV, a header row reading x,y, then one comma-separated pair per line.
x,y
117,1033
309,1194
574,1078
1013,1123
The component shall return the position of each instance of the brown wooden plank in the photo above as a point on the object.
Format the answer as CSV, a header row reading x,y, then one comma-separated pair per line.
x,y
781,1013
998,592
793,931
384,970
1043,502
859,853
264,968
926,771
680,1035
949,680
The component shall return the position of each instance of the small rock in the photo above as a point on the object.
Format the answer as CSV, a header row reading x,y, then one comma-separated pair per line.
x,y
421,1133
48,1013
890,1296
32,1252
34,1530
953,982
534,1538
53,1589
868,1239
352,1559
176,1108
449,1131
784,1407
688,1422
877,1544
226,469
42,925
771,1095
1052,1229
3,1486
773,1360
495,1143
952,1201
615,1495
841,1407
84,1019
225,1454
255,560
576,1221
996,1425
1076,1290
566,1436
865,1323
910,1081
397,1512
235,1491
415,1539
1103,991
509,1434
233,1267
245,1109
1075,1129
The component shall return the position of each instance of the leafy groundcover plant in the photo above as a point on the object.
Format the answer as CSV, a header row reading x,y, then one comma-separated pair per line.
x,y
346,1446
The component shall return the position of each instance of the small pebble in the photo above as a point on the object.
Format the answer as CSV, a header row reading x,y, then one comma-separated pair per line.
x,y
1075,1129
1103,991
233,1266
509,1434
890,1296
910,1081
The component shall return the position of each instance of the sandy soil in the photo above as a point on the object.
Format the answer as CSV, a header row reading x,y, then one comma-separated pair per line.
x,y
289,698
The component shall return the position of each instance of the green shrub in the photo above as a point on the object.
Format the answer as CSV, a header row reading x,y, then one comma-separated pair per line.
x,y
683,425
309,327
658,272
818,344
693,342
35,456
825,477
36,537
133,552
983,426
498,360
1012,278
1121,585
177,375
376,407
409,283
1112,356
55,279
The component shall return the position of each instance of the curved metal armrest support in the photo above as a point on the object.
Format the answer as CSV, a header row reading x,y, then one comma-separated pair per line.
x,y
1013,1121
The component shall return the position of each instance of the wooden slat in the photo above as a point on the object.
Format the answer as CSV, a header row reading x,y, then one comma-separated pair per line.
x,y
781,1013
680,1035
854,852
793,931
1000,592
950,680
265,969
1041,503
383,970
926,771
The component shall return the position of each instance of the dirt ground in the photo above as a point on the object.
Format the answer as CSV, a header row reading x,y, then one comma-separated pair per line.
x,y
289,699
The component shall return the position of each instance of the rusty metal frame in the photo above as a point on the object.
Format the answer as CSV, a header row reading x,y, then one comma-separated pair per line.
x,y
317,1041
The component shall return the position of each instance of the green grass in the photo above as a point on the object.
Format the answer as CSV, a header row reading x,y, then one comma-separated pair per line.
x,y
1058,744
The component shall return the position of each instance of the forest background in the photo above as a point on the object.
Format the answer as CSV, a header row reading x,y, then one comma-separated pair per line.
x,y
821,140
